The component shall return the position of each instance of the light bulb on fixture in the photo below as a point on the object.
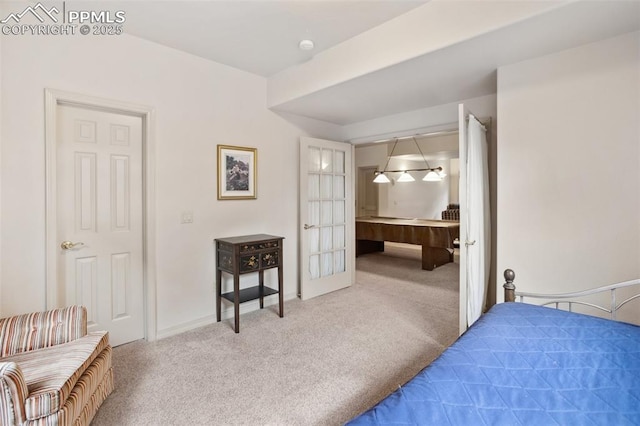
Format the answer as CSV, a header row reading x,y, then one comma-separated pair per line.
x,y
381,178
406,177
431,176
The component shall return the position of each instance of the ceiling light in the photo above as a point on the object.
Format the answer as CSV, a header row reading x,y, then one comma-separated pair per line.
x,y
431,176
381,178
434,174
306,44
406,177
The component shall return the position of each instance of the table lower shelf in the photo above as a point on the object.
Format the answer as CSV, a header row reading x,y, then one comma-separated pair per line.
x,y
251,293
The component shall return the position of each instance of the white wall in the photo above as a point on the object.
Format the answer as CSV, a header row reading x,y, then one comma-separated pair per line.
x,y
198,105
569,167
441,117
454,181
419,199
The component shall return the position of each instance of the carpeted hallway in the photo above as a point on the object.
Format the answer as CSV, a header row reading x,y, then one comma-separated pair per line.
x,y
327,360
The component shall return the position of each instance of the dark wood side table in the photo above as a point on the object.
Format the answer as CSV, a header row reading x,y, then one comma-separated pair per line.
x,y
244,254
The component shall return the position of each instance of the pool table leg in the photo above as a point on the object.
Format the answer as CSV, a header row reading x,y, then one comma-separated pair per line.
x,y
367,246
432,257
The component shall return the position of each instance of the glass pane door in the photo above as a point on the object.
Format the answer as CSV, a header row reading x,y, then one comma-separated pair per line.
x,y
326,207
325,212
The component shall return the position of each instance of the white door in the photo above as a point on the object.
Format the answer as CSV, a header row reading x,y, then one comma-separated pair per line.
x,y
463,113
99,211
475,236
327,219
367,192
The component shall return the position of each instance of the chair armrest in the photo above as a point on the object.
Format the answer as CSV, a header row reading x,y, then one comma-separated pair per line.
x,y
37,330
13,394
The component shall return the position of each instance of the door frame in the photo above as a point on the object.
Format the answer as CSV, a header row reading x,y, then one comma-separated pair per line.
x,y
463,113
361,181
53,288
441,128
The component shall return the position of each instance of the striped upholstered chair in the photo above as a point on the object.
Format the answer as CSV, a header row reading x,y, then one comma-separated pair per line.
x,y
52,372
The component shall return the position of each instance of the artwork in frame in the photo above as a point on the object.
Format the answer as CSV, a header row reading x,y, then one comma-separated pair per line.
x,y
237,169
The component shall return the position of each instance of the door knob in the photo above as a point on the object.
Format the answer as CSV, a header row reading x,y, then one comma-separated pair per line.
x,y
308,226
68,245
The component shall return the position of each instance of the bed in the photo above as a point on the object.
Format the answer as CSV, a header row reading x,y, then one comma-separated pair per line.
x,y
527,364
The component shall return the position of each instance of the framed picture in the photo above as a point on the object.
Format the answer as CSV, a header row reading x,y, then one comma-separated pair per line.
x,y
237,168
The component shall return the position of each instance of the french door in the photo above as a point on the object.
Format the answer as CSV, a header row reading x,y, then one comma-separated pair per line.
x,y
327,257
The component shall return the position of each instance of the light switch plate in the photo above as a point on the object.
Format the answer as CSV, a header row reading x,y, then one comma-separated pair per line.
x,y
187,217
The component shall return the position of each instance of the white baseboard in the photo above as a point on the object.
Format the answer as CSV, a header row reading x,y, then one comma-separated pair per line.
x,y
227,313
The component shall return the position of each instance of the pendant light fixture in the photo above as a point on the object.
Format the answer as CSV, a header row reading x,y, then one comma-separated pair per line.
x,y
380,176
406,177
434,174
431,176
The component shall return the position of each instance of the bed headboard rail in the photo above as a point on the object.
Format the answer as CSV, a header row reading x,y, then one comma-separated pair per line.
x,y
570,299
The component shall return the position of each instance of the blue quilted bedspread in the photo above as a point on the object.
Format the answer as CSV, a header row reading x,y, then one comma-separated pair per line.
x,y
525,364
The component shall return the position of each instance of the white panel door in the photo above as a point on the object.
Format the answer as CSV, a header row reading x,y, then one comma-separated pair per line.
x,y
99,218
327,255
463,113
367,192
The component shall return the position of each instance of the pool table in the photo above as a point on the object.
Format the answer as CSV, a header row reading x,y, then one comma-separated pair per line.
x,y
435,236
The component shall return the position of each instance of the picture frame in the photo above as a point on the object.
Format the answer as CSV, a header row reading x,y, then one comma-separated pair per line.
x,y
237,172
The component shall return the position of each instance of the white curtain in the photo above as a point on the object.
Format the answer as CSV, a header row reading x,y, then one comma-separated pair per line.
x,y
478,241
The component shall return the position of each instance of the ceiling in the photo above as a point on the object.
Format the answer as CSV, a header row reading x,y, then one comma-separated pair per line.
x,y
261,37
468,69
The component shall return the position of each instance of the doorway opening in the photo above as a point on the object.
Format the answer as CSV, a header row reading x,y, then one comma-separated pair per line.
x,y
401,203
415,199
398,203
367,198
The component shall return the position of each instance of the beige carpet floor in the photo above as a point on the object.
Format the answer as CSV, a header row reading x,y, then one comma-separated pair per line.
x,y
327,360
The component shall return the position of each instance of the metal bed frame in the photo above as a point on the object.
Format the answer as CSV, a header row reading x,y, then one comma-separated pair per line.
x,y
558,300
